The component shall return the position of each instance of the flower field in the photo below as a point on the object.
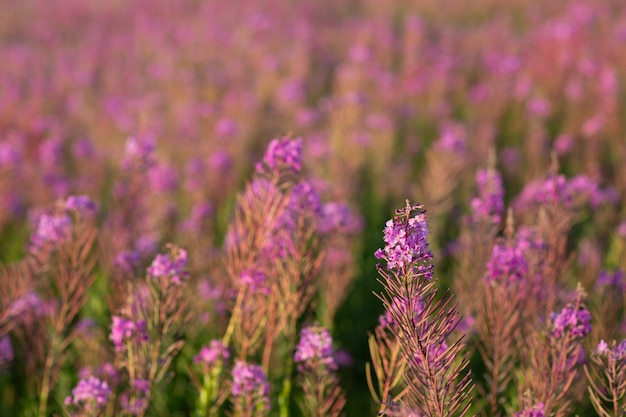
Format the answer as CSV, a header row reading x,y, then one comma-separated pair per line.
x,y
312,208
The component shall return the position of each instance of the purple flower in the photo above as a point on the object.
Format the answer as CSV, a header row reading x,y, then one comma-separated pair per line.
x,y
507,265
578,322
163,178
535,411
172,266
123,329
315,347
254,279
127,261
51,229
616,352
6,351
28,303
489,204
282,155
142,385
211,354
338,217
139,153
452,139
304,199
81,204
249,379
90,393
406,243
613,279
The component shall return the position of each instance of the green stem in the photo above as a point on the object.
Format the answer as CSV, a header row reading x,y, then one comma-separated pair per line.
x,y
285,394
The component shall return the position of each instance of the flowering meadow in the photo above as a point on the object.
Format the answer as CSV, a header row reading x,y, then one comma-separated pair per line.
x,y
312,208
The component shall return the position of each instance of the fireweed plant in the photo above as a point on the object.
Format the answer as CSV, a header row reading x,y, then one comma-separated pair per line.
x,y
422,320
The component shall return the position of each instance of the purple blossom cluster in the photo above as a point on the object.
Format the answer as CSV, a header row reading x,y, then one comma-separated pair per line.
x,y
255,280
123,330
89,394
139,153
209,355
315,348
51,229
569,192
611,279
171,266
406,242
488,205
507,265
282,155
616,352
576,321
249,379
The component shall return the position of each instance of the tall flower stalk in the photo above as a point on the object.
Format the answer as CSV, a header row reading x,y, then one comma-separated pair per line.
x,y
316,367
607,379
66,237
423,318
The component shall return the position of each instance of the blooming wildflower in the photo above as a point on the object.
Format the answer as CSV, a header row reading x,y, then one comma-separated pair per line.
x,y
489,204
611,279
123,329
578,322
453,138
338,217
51,229
553,190
127,261
315,347
172,266
90,393
30,302
138,153
163,178
81,204
254,279
6,351
406,242
616,352
142,385
282,155
304,199
249,379
536,411
507,264
211,354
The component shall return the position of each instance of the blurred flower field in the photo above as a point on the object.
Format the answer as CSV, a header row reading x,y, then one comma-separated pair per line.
x,y
312,208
